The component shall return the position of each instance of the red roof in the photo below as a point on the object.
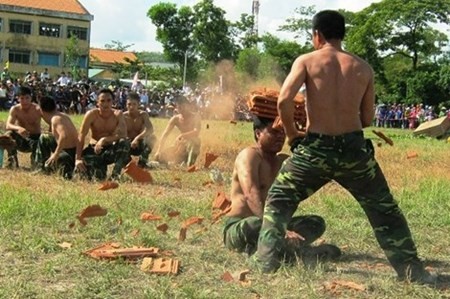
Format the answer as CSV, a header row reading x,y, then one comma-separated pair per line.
x,y
110,56
69,6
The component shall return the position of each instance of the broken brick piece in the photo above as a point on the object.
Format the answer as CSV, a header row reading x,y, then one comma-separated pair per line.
x,y
243,275
172,214
411,155
192,220
149,217
138,174
209,158
227,277
216,216
110,251
384,137
192,168
221,202
162,227
182,234
160,265
108,185
91,211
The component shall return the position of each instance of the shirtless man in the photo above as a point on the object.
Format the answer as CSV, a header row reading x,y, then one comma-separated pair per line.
x,y
254,171
108,143
24,126
340,102
56,151
187,146
139,129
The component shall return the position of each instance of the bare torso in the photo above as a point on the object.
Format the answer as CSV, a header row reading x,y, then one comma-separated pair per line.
x,y
267,168
336,82
103,125
187,123
135,123
29,119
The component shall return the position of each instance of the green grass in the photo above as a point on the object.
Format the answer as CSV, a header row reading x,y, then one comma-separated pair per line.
x,y
35,213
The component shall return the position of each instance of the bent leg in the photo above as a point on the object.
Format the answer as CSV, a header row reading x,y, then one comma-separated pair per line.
x,y
298,179
241,235
45,146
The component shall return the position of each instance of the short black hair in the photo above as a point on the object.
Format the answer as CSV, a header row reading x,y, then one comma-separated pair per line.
x,y
47,104
133,96
330,23
260,123
24,91
106,90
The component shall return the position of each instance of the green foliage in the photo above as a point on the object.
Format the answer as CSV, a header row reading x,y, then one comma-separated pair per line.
x,y
211,32
72,55
248,62
283,51
117,45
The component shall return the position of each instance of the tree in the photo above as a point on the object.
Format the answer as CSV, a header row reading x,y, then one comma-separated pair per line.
x,y
248,62
405,28
300,24
117,46
211,32
284,52
174,30
242,32
72,56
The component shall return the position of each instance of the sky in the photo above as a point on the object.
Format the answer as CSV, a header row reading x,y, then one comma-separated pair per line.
x,y
127,21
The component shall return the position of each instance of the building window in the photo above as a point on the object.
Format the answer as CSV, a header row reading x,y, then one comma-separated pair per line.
x,y
1,25
17,26
82,61
78,32
51,59
49,29
17,56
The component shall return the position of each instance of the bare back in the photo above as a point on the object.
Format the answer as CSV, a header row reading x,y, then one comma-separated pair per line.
x,y
64,131
336,84
339,91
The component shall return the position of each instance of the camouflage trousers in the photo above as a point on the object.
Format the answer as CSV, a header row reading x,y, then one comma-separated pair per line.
x,y
26,145
349,160
97,164
241,234
143,150
65,164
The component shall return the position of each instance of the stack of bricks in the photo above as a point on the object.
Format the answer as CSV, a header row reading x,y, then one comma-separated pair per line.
x,y
263,103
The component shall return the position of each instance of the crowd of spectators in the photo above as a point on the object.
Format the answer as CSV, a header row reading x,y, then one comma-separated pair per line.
x,y
404,116
77,97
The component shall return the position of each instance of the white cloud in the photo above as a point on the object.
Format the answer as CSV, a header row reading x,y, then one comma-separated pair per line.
x,y
127,21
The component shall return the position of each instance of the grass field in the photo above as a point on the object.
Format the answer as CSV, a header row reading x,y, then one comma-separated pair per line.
x,y
36,211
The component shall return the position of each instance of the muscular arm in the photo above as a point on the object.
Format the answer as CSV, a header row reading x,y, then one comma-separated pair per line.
x,y
289,90
366,112
247,166
85,126
11,121
57,129
147,128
